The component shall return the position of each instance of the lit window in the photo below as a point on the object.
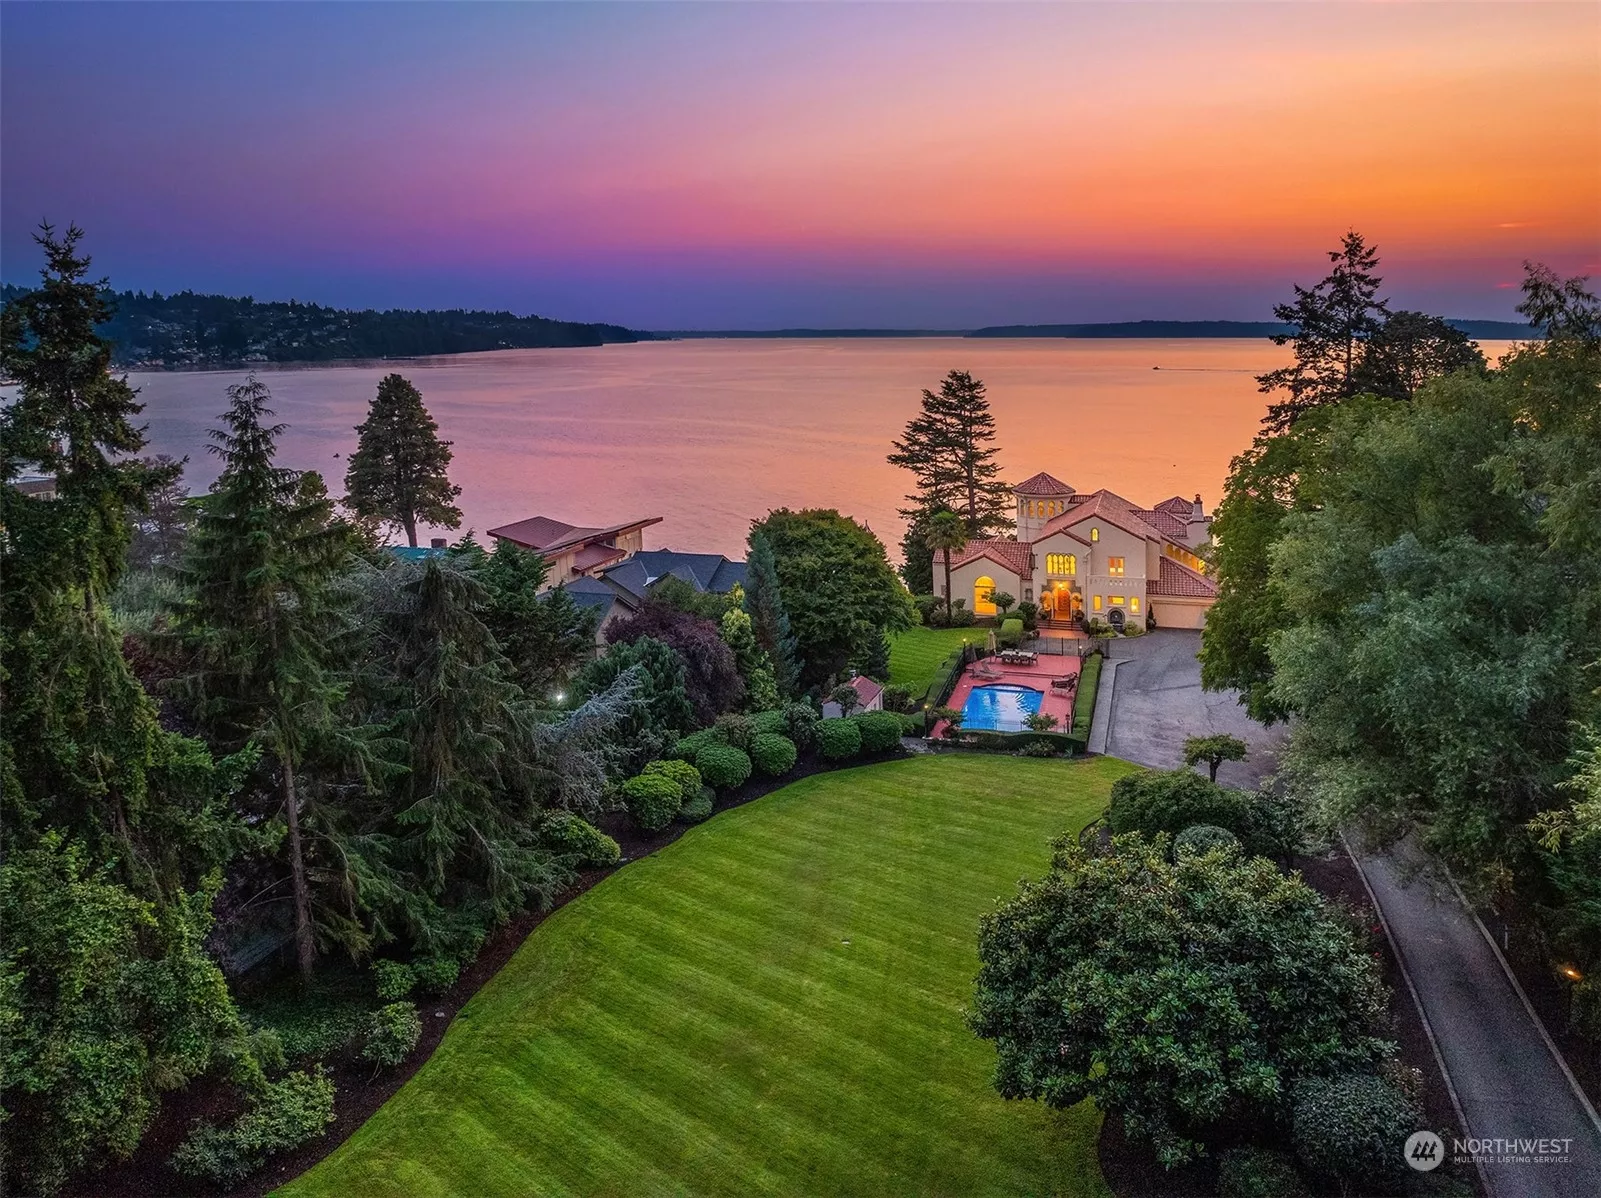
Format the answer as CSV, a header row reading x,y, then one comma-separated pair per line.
x,y
1114,567
1117,601
1061,563
1095,534
983,596
1134,604
1096,603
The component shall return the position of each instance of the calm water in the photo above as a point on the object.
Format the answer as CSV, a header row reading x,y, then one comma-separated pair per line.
x,y
711,434
1000,708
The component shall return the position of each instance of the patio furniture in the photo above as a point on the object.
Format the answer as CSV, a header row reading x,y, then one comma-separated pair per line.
x,y
1068,684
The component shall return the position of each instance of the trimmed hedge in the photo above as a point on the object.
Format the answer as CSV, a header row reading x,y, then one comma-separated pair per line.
x,y
1011,633
1011,742
1155,801
690,746
723,766
1352,1128
589,847
1089,681
770,723
698,808
772,754
839,739
680,773
881,730
653,800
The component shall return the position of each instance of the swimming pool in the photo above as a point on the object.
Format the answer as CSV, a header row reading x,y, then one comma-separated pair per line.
x,y
1000,708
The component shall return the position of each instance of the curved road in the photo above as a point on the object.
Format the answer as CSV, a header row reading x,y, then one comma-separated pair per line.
x,y
1509,1082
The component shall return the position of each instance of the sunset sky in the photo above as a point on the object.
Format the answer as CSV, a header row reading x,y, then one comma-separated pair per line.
x,y
751,166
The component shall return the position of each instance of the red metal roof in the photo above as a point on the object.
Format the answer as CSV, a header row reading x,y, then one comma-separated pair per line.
x,y
1179,581
1042,484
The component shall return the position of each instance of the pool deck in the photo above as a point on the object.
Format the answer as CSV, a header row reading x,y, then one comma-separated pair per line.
x,y
1037,676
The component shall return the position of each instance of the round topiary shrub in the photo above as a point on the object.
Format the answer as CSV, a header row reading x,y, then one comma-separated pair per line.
x,y
839,739
881,730
1351,1129
687,748
392,1033
773,723
652,800
723,766
772,754
734,729
589,848
699,807
683,775
1258,1173
1203,838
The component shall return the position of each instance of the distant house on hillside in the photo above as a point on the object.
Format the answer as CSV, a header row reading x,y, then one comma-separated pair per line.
x,y
572,551
869,697
1095,555
609,571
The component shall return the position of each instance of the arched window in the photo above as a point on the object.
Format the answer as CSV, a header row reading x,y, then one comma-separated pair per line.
x,y
1061,563
983,588
1095,534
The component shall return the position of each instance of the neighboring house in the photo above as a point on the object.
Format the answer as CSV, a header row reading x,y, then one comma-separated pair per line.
x,y
574,552
869,694
37,486
1097,555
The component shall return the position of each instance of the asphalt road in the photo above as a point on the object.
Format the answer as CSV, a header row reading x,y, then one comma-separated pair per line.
x,y
1508,1082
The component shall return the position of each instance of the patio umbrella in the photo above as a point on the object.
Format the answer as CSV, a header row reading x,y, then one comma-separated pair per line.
x,y
990,640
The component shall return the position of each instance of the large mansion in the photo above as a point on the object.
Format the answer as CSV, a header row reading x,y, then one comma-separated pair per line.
x,y
1097,555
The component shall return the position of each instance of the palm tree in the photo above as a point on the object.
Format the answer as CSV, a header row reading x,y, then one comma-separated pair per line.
x,y
947,531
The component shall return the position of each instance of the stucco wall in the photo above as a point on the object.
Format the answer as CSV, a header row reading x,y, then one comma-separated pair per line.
x,y
965,576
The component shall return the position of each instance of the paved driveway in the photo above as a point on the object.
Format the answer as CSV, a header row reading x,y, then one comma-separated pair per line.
x,y
1157,701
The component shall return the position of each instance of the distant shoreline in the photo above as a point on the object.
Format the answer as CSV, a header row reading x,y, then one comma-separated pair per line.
x,y
1489,330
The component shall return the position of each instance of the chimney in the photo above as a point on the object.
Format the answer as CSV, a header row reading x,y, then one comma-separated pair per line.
x,y
437,543
1197,513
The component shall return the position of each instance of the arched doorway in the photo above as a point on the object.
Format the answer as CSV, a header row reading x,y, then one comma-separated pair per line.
x,y
983,588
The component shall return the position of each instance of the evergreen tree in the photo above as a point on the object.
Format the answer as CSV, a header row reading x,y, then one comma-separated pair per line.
x,y
761,691
400,471
1334,321
259,618
1408,350
917,557
949,449
74,419
545,637
662,712
769,621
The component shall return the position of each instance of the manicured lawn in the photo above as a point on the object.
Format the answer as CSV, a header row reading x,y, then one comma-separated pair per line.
x,y
773,1004
915,654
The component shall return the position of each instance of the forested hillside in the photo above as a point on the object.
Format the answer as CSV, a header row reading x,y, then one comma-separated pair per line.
x,y
151,329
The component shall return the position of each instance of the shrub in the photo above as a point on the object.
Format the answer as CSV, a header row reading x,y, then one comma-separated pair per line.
x,y
284,1113
1089,681
961,617
772,723
1003,602
1203,838
690,746
435,975
653,800
1351,1128
698,808
1132,629
1258,1173
772,754
1011,634
1040,721
587,846
734,729
392,1033
838,739
1171,800
800,725
847,696
881,731
897,698
911,724
1029,613
1040,748
1239,977
944,680
723,766
393,979
927,606
683,775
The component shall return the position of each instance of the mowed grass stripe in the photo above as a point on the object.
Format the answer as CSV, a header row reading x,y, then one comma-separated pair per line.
x,y
696,1024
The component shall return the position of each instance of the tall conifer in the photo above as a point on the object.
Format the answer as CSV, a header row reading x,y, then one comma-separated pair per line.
x,y
400,472
949,449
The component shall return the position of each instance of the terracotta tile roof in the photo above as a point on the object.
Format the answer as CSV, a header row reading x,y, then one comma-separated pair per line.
x,y
1178,506
1042,484
866,689
1179,581
1174,528
1012,554
1114,509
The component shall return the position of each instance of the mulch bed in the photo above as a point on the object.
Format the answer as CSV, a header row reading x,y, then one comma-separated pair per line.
x,y
359,1090
1132,1172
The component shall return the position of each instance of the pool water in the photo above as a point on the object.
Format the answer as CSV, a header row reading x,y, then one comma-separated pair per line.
x,y
1000,708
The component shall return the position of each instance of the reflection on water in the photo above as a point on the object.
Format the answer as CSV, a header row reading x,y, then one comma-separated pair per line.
x,y
710,434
